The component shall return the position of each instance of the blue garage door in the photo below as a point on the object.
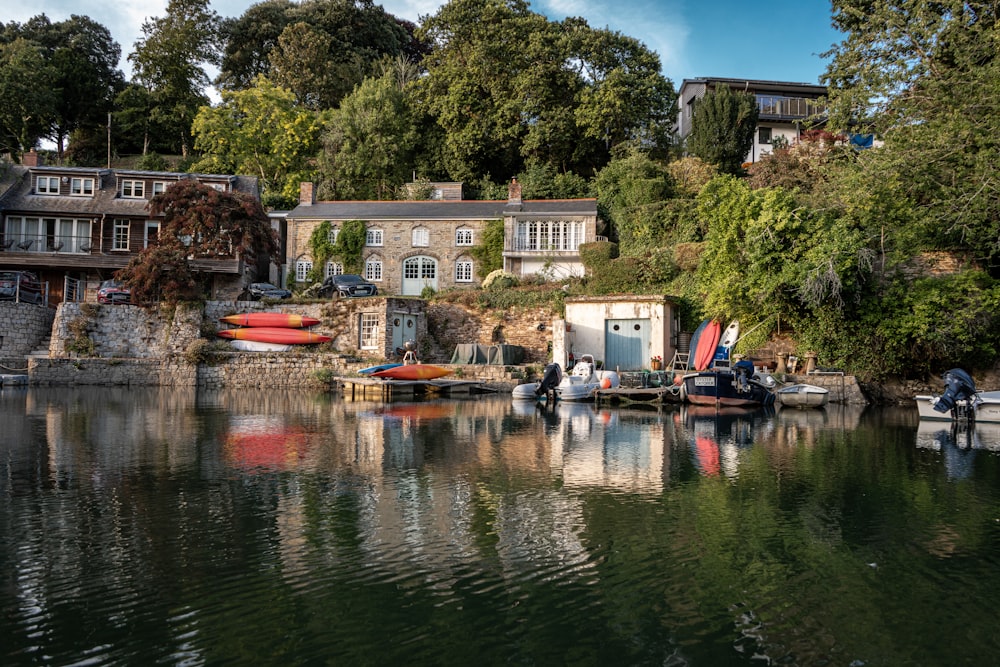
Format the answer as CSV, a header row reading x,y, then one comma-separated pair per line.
x,y
626,344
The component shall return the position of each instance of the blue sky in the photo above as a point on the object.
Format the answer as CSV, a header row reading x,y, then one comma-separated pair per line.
x,y
778,40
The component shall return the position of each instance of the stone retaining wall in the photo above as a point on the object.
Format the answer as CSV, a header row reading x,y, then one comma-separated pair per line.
x,y
22,327
842,388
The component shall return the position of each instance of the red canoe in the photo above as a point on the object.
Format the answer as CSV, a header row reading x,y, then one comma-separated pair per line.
x,y
707,342
283,320
413,372
275,335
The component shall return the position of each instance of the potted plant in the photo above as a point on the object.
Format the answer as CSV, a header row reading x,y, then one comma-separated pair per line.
x,y
656,363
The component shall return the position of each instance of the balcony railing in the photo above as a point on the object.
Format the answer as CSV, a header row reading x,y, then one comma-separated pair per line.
x,y
529,245
46,244
777,106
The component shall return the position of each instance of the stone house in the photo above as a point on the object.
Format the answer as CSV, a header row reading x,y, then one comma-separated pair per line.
x,y
416,244
76,226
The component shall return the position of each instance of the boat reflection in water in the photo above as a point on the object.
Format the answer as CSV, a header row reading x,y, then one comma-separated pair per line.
x,y
717,435
958,443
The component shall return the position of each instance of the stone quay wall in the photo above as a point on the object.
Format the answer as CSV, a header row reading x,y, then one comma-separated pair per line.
x,y
23,326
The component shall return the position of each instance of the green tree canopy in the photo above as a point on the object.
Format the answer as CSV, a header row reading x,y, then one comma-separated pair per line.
x,y
259,131
28,97
722,128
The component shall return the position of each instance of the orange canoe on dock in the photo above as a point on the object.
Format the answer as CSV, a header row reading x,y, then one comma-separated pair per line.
x,y
282,320
413,372
281,335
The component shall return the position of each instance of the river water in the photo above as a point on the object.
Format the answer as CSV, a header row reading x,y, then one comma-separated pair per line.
x,y
184,527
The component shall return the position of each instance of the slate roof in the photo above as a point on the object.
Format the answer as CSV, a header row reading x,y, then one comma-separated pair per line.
x,y
20,197
441,210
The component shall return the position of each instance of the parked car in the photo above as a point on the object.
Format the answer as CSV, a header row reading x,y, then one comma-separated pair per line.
x,y
114,291
347,284
260,291
21,286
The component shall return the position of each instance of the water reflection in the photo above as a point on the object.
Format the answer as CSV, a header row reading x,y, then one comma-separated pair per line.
x,y
184,526
958,443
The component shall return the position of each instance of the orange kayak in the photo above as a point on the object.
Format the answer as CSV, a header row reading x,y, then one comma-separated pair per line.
x,y
413,372
284,320
275,335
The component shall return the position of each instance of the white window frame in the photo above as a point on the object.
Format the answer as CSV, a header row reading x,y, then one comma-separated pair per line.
x,y
44,185
368,331
81,187
333,234
159,187
119,240
133,188
420,237
464,271
463,237
373,238
333,269
373,270
302,269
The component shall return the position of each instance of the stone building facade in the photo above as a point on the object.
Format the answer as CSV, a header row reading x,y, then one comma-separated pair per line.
x,y
413,245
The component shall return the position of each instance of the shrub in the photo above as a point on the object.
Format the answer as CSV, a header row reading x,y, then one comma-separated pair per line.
x,y
500,279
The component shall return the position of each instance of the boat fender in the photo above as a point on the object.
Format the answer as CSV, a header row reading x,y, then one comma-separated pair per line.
x,y
675,389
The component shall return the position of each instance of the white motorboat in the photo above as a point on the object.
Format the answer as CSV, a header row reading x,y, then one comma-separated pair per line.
x,y
579,385
802,396
960,401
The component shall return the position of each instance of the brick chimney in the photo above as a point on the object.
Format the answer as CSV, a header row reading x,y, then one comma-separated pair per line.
x,y
514,192
307,194
31,158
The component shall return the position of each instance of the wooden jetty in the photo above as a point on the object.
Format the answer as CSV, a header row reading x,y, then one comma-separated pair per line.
x,y
361,388
627,395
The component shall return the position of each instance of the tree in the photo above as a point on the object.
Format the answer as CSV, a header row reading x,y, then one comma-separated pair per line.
x,y
722,128
368,150
627,189
27,97
169,62
259,131
198,222
924,76
301,63
248,41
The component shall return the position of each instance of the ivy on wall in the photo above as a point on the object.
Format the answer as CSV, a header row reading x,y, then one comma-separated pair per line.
x,y
347,249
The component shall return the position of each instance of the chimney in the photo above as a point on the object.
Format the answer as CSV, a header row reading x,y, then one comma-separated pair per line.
x,y
31,158
514,192
307,194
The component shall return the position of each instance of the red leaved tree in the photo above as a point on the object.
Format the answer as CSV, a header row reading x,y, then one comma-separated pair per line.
x,y
197,222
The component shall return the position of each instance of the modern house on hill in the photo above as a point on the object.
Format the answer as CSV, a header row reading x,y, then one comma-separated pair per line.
x,y
76,226
411,245
786,109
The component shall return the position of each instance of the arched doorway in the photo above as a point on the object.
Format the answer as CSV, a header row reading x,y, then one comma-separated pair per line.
x,y
419,272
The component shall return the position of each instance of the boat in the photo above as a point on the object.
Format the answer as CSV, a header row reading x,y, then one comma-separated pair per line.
x,y
960,401
257,346
376,369
274,335
708,342
412,372
727,339
282,320
802,396
579,385
738,386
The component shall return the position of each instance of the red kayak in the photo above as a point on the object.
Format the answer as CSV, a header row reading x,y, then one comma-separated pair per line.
x,y
283,320
413,372
282,335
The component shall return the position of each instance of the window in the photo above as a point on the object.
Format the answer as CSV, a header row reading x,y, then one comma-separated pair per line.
x,y
133,189
159,187
463,237
369,331
334,233
47,185
763,135
463,271
217,186
82,187
121,234
373,237
373,270
302,269
421,237
549,235
334,269
152,233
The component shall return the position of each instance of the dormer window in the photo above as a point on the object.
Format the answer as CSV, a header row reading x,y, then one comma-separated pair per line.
x,y
82,187
159,187
133,189
47,185
217,186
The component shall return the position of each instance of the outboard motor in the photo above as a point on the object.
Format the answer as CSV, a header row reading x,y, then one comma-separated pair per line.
x,y
958,386
550,379
743,372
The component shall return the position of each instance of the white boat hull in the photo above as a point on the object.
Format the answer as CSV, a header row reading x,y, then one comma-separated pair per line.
x,y
987,409
803,396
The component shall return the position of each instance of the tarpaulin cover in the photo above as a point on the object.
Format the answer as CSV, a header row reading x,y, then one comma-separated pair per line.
x,y
496,355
